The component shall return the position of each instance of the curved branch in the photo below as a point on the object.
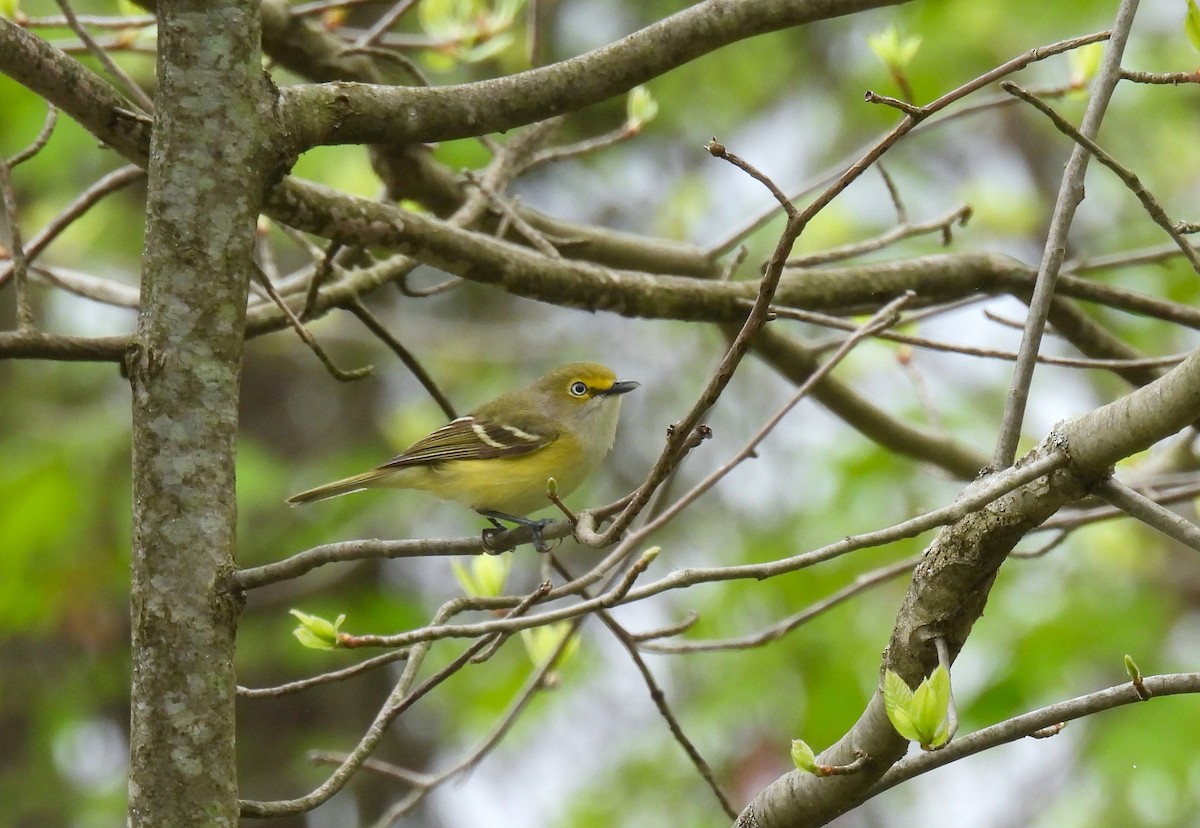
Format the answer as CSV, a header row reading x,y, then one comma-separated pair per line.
x,y
352,113
951,584
76,90
326,212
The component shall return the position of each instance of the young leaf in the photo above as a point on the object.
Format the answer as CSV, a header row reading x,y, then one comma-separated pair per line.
x,y
803,757
930,711
486,577
494,45
315,632
542,642
921,716
894,54
897,701
1191,24
640,108
1085,63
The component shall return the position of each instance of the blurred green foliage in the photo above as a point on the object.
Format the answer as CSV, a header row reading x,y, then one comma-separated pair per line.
x,y
594,752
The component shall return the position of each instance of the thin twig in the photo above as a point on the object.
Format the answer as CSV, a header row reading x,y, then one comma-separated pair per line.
x,y
39,143
943,654
325,268
408,777
1070,194
20,264
344,551
414,365
669,631
900,232
306,336
1146,255
837,322
1128,178
513,218
659,698
1168,78
385,22
887,315
584,147
391,54
114,181
324,678
860,584
1142,508
87,286
101,54
1083,517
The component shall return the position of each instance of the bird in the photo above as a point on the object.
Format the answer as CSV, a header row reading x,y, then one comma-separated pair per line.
x,y
497,459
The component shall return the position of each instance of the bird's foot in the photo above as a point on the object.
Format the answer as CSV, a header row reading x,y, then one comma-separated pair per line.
x,y
535,530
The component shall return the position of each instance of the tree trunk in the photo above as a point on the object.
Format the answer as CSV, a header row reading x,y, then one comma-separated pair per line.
x,y
206,179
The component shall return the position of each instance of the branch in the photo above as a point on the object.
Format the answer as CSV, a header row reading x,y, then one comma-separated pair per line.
x,y
400,699
35,345
1070,194
352,113
860,584
75,89
1142,508
1127,177
975,497
1028,724
951,584
310,559
656,693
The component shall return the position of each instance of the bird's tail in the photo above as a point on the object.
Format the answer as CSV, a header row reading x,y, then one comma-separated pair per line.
x,y
340,487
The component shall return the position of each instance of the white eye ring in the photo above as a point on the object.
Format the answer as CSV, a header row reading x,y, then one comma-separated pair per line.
x,y
578,388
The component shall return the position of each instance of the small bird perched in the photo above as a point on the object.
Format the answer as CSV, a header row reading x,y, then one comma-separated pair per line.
x,y
497,459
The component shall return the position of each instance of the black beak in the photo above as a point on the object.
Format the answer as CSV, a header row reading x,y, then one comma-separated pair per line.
x,y
620,387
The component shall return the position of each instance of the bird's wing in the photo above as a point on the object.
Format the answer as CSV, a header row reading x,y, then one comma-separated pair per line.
x,y
478,438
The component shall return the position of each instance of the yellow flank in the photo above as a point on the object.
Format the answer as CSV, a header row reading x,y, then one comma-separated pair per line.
x,y
512,485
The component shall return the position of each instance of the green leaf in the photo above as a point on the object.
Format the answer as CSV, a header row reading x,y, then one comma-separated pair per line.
x,y
444,19
1085,63
494,45
931,706
1131,667
543,642
1191,24
803,757
640,108
486,576
315,632
894,53
921,716
505,13
897,701
9,8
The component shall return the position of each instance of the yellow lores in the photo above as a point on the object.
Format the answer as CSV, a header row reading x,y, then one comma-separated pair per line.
x,y
497,459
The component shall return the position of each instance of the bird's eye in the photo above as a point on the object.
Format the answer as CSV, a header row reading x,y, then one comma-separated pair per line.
x,y
578,389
